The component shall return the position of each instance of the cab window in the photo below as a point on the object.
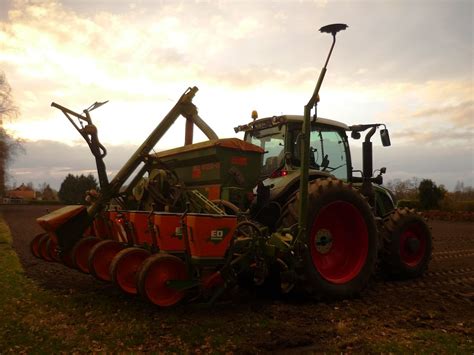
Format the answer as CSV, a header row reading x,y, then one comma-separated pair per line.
x,y
272,141
327,152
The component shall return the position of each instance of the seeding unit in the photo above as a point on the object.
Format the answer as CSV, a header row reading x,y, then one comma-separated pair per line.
x,y
279,208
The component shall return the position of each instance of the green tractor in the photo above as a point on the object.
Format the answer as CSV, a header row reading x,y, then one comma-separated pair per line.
x,y
348,223
284,206
352,220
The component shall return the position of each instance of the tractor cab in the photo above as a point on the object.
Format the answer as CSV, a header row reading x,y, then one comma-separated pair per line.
x,y
280,138
329,155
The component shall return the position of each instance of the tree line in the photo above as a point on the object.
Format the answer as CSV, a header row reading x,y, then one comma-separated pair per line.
x,y
426,194
8,145
73,187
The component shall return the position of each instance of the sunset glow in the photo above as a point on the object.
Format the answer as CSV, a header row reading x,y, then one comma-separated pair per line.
x,y
412,72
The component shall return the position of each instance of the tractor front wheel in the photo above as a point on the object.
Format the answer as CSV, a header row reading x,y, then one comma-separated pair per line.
x,y
154,277
124,268
340,251
407,245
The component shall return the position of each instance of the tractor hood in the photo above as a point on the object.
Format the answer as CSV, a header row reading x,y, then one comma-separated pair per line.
x,y
280,185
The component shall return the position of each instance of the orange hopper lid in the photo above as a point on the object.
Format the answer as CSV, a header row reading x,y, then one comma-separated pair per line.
x,y
52,221
231,143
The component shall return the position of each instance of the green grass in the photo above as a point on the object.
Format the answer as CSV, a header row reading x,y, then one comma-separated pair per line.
x,y
428,341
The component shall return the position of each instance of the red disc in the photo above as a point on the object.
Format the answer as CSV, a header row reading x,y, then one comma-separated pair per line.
x,y
43,248
34,244
339,242
101,256
80,253
154,279
124,268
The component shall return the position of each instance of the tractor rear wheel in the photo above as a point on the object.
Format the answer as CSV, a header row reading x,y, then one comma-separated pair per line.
x,y
124,268
154,276
341,239
34,244
407,244
101,256
81,251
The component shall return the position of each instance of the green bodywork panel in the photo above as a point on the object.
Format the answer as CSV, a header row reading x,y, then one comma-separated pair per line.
x,y
225,169
384,201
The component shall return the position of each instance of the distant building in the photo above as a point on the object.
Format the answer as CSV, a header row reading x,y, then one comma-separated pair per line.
x,y
22,192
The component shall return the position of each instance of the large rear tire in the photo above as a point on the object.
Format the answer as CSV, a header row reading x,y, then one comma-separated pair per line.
x,y
153,279
340,254
407,245
124,268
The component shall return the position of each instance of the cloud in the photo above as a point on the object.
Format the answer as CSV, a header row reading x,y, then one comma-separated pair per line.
x,y
410,69
51,161
462,113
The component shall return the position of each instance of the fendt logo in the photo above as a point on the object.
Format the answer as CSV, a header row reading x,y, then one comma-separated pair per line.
x,y
218,235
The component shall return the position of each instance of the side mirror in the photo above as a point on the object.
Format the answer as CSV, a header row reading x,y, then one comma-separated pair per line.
x,y
385,137
355,135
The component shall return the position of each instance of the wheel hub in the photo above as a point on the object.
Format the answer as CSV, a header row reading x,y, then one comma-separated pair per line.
x,y
413,245
323,241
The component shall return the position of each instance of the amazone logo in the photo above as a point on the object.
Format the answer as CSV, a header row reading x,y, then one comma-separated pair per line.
x,y
218,235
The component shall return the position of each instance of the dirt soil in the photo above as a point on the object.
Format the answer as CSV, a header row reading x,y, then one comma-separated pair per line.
x,y
401,311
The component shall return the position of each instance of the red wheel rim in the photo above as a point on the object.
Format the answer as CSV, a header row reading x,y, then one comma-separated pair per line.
x,y
412,245
81,253
339,242
156,287
102,258
34,245
43,249
127,267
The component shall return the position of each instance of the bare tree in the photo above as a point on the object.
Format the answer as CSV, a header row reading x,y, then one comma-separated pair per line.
x,y
8,110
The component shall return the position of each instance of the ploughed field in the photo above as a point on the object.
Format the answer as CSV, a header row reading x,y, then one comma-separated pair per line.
x,y
433,313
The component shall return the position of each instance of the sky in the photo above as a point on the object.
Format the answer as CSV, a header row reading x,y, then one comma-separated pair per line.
x,y
408,64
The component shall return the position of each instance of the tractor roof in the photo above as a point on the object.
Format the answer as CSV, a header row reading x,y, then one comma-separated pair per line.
x,y
267,122
325,121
